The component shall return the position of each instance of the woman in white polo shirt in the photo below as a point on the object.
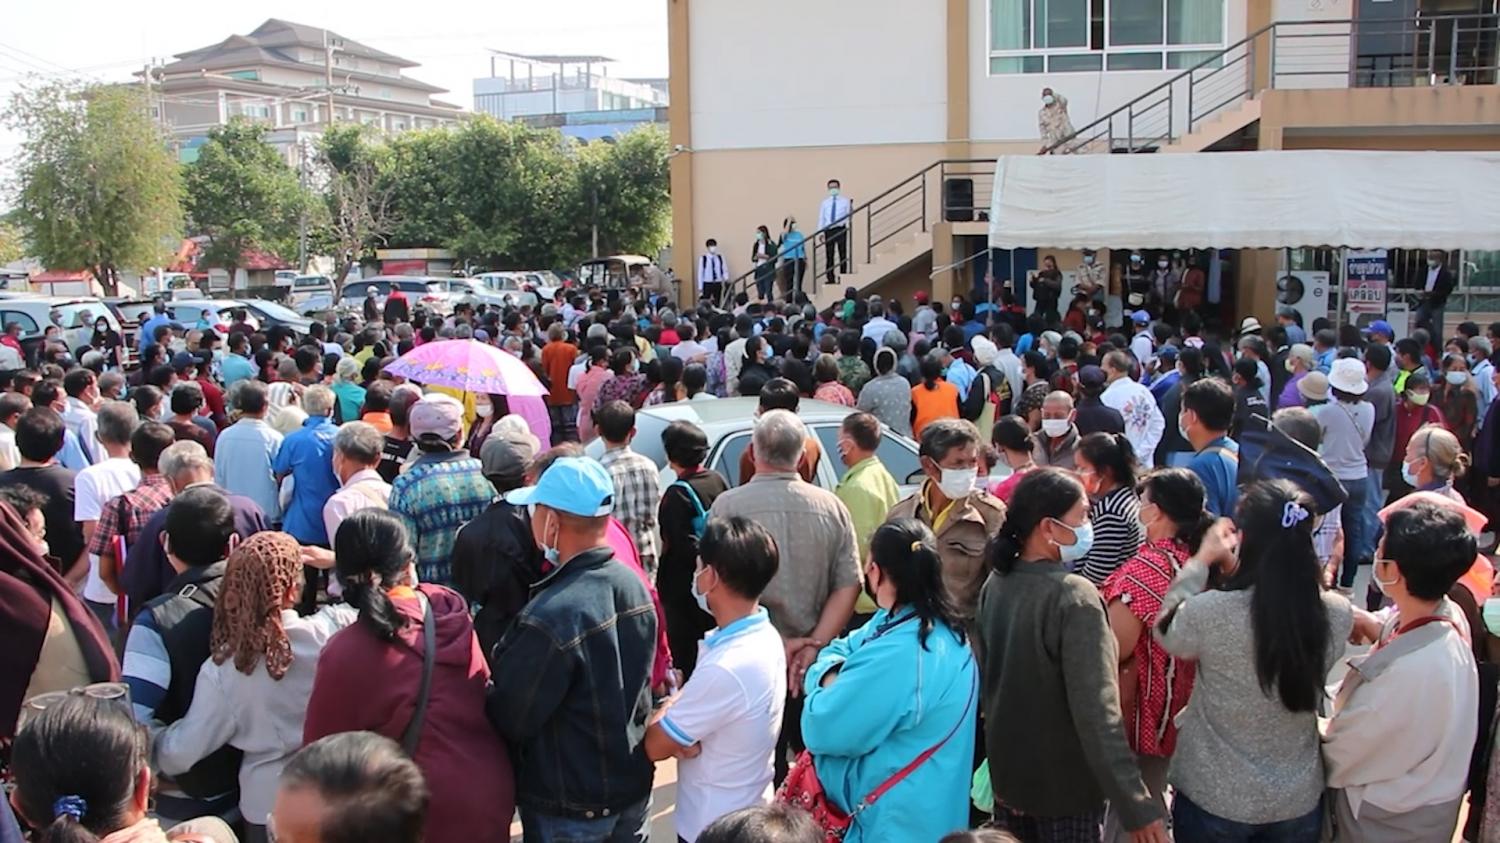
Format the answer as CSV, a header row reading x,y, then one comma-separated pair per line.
x,y
723,726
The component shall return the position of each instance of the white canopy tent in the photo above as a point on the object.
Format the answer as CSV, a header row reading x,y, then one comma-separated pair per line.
x,y
1248,200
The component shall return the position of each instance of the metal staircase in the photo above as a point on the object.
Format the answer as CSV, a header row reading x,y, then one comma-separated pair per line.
x,y
1219,95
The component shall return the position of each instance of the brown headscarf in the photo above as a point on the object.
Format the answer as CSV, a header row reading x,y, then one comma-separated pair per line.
x,y
247,616
28,585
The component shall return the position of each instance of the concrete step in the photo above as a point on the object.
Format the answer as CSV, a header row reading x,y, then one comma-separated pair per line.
x,y
1217,128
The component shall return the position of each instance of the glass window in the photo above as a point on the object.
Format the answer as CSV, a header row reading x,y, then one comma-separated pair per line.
x,y
28,325
1075,62
1016,64
1064,23
900,459
727,463
1133,22
1193,58
1195,21
1010,26
1135,61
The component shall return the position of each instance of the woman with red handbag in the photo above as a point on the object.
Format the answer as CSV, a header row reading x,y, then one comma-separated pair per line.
x,y
889,716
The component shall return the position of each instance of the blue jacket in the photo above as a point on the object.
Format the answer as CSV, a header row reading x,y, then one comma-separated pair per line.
x,y
572,689
893,700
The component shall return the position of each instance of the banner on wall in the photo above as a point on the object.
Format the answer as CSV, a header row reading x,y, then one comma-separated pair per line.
x,y
1366,274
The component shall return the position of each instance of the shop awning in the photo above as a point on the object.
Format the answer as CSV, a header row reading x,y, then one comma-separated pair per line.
x,y
1248,200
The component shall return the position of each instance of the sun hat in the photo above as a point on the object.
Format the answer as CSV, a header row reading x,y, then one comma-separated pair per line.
x,y
1348,375
1314,386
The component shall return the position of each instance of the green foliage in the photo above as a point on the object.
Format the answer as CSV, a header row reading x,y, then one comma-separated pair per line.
x,y
94,184
630,178
242,194
12,246
359,212
506,195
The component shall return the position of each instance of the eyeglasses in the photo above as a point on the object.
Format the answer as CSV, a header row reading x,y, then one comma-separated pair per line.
x,y
116,693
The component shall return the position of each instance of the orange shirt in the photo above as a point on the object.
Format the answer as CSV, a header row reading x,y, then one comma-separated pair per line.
x,y
940,402
557,359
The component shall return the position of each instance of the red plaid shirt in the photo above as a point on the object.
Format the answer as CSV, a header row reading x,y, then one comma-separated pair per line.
x,y
126,514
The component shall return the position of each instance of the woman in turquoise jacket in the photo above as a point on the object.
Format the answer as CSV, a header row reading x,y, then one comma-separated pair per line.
x,y
899,686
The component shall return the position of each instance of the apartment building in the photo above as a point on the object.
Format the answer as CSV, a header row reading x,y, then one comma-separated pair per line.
x,y
908,103
572,93
279,74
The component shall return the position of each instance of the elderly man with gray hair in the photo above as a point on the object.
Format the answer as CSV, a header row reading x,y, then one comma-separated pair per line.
x,y
357,448
1057,441
812,595
184,465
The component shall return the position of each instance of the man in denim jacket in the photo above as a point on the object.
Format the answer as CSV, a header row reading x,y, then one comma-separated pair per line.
x,y
572,675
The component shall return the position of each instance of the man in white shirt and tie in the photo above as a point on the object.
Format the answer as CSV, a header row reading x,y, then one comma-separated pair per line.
x,y
833,219
712,273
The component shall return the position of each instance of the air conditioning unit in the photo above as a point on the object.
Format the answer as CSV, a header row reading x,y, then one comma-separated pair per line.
x,y
1307,292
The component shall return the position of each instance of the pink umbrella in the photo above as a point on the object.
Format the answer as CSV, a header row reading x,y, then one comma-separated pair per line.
x,y
468,365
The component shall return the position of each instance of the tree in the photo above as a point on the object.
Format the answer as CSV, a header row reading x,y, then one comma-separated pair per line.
x,y
360,201
12,247
242,194
623,193
95,187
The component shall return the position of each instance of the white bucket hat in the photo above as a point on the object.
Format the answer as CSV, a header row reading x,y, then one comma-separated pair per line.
x,y
1348,375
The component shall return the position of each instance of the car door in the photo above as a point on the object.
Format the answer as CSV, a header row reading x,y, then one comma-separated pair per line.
x,y
725,457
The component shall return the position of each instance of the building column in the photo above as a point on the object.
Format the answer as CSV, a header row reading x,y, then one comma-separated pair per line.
x,y
958,78
679,118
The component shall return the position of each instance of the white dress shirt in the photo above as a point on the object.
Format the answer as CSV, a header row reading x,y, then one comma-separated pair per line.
x,y
711,270
876,329
1144,423
835,210
1432,277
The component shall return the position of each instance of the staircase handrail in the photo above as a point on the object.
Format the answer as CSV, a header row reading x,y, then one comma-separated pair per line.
x,y
1052,149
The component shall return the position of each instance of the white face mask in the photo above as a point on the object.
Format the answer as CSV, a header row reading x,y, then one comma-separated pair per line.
x,y
1456,378
957,482
1056,428
1162,264
713,250
1048,99
1088,260
483,410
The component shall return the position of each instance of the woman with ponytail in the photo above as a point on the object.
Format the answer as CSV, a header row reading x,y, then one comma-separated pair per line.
x,y
1154,686
370,678
1247,763
885,694
81,776
1054,735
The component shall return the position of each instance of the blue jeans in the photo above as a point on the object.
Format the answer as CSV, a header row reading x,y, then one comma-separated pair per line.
x,y
1374,500
1192,824
631,825
1352,517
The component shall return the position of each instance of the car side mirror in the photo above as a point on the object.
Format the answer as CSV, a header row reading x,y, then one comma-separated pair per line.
x,y
915,477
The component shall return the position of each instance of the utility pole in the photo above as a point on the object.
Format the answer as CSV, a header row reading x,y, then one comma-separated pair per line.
x,y
328,72
302,220
596,221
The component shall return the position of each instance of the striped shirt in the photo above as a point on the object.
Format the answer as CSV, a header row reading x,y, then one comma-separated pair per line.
x,y
1116,517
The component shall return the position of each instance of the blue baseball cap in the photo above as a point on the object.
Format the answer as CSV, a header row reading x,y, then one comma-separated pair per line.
x,y
575,485
1380,326
1140,317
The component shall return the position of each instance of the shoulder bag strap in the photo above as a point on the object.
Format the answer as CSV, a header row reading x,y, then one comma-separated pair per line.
x,y
413,733
902,773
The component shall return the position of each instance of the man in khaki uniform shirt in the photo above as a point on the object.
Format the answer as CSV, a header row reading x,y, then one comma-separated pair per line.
x,y
962,518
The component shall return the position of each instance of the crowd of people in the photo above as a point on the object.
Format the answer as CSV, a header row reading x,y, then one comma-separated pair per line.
x,y
261,588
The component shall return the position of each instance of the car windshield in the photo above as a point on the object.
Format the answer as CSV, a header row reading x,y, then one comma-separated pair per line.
x,y
276,311
72,314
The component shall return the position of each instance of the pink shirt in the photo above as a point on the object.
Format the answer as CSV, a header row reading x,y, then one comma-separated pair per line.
x,y
624,547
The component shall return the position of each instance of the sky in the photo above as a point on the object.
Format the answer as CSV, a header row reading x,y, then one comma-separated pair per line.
x,y
108,40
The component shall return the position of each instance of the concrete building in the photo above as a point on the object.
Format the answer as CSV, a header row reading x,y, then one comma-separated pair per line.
x,y
572,93
288,76
908,102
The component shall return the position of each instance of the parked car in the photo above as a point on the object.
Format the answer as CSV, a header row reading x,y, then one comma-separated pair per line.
x,y
610,273
270,314
200,312
508,287
431,293
545,283
305,287
34,313
728,423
